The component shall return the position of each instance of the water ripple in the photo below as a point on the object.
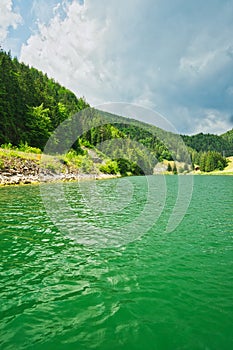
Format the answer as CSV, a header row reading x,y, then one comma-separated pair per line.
x,y
163,291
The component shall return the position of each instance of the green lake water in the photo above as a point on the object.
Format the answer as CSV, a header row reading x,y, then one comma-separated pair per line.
x,y
161,291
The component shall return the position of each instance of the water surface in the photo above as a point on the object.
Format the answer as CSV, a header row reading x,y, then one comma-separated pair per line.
x,y
162,291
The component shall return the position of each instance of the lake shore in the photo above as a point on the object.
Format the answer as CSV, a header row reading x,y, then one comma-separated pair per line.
x,y
21,179
24,168
21,168
161,169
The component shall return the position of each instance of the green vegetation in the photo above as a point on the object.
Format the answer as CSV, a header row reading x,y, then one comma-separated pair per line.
x,y
174,169
169,168
23,147
33,105
70,162
212,160
210,142
228,137
208,161
111,167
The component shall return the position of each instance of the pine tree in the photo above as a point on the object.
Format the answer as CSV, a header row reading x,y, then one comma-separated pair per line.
x,y
169,168
174,169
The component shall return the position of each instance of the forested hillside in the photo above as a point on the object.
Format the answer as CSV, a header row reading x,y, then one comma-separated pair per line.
x,y
228,137
210,142
209,150
32,106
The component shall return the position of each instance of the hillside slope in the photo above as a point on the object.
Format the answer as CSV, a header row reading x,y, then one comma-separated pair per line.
x,y
32,106
210,142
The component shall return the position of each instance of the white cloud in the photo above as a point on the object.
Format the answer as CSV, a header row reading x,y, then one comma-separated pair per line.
x,y
68,49
43,10
95,51
8,18
163,55
212,121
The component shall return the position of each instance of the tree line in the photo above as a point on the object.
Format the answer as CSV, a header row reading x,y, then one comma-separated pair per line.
x,y
33,105
210,142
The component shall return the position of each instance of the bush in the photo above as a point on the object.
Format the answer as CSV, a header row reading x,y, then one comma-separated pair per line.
x,y
87,144
24,147
111,167
71,154
7,146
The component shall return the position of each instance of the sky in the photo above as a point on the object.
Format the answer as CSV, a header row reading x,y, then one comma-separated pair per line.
x,y
171,56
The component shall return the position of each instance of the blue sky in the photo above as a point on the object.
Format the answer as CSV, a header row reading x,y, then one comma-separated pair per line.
x,y
172,56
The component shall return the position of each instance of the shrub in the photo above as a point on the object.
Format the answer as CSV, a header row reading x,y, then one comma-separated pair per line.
x,y
24,147
111,167
7,146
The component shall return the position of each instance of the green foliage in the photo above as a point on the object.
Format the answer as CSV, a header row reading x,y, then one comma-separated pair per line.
x,y
169,168
51,167
75,160
210,142
39,124
97,135
86,165
212,160
24,147
87,144
174,169
7,146
228,137
31,104
71,155
110,167
1,164
146,138
126,167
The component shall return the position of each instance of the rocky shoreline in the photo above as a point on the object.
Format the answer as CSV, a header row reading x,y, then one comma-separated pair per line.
x,y
17,171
